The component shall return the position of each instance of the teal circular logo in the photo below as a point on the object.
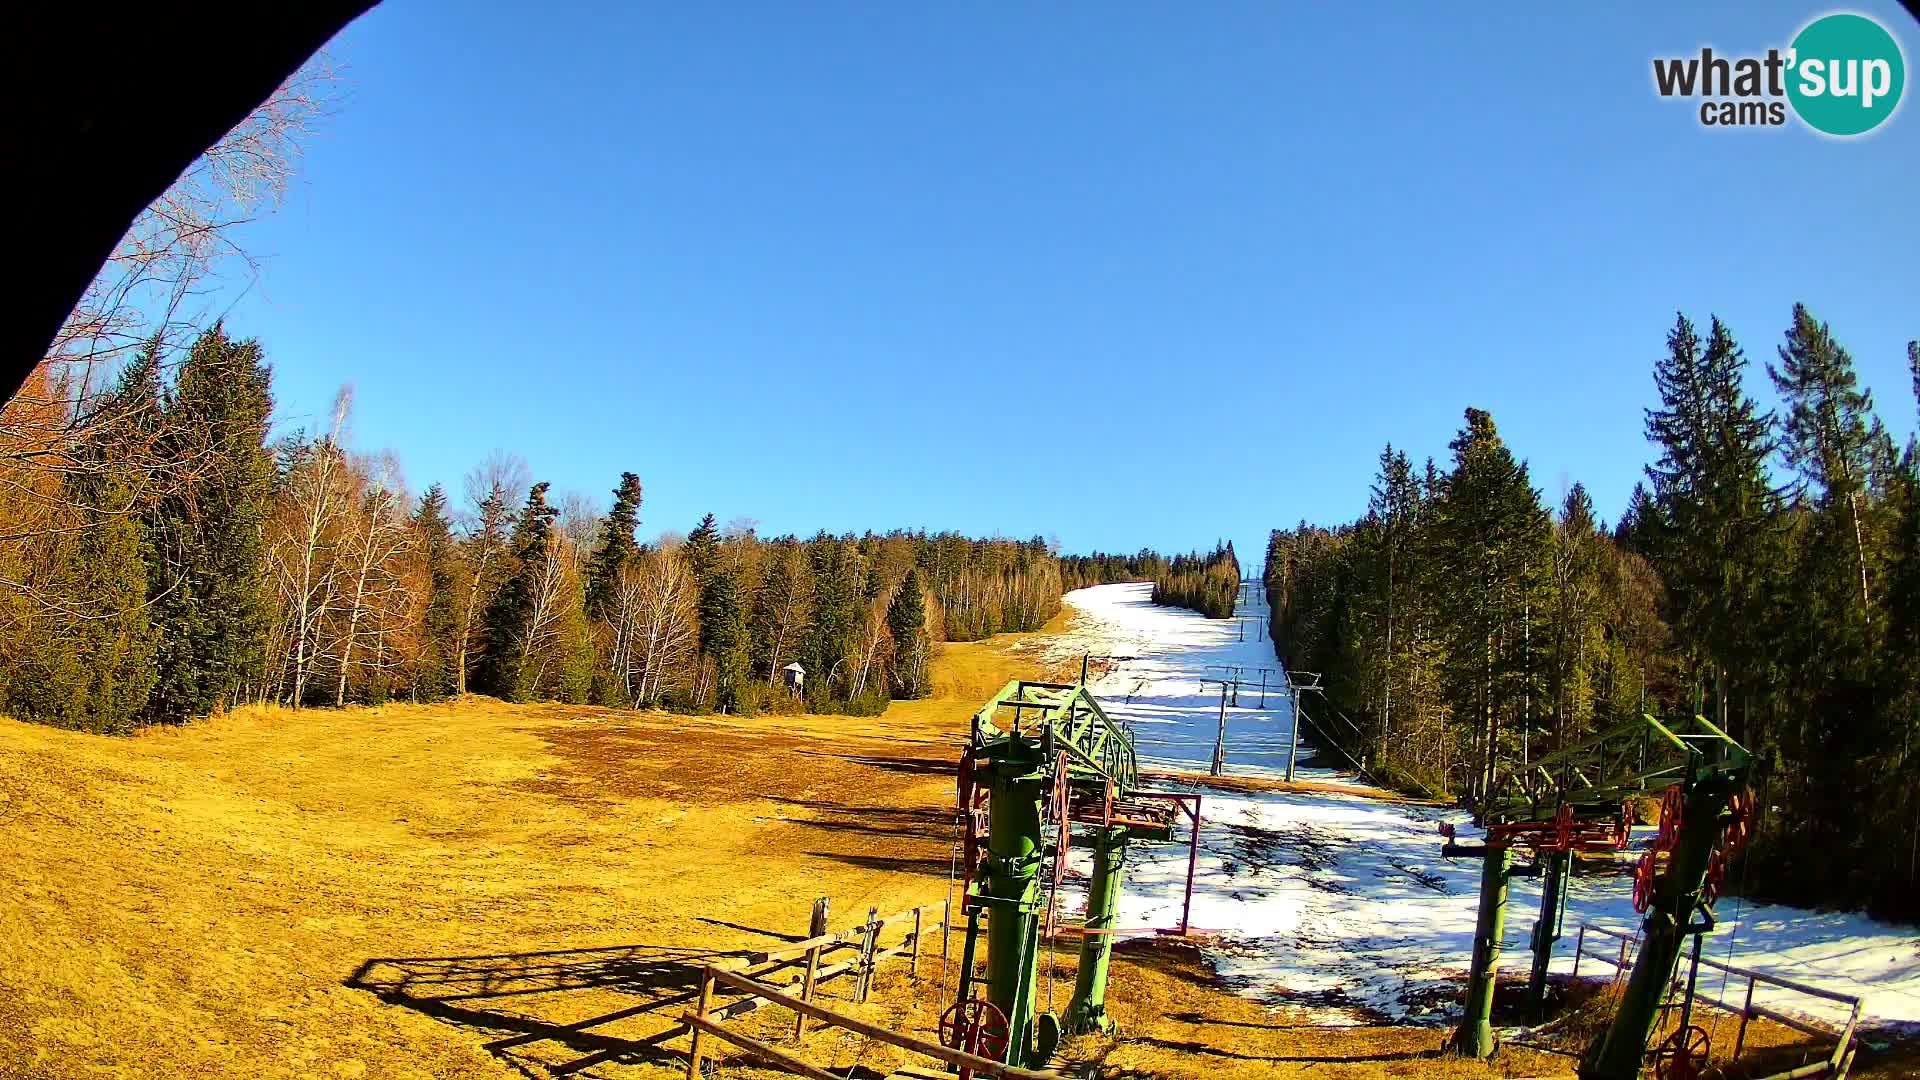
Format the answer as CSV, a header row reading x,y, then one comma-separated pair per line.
x,y
1846,73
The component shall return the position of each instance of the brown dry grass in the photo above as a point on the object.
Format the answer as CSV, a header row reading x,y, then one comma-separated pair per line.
x,y
456,890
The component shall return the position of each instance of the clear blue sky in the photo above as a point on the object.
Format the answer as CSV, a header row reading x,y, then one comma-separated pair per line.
x,y
1125,274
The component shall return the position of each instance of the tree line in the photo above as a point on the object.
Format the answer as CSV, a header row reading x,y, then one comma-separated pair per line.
x,y
175,560
1766,575
1100,568
1207,583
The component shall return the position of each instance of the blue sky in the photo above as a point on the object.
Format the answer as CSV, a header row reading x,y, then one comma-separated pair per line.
x,y
1124,274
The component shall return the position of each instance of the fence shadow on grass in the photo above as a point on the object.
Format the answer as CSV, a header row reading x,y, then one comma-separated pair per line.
x,y
518,996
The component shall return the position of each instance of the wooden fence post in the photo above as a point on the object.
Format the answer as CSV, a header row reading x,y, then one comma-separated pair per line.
x,y
817,925
913,965
706,1000
866,955
806,992
1746,1014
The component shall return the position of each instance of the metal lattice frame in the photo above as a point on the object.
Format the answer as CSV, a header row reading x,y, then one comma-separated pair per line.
x,y
1597,774
1574,800
1040,759
1063,716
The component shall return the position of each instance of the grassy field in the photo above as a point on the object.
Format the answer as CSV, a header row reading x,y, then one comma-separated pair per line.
x,y
458,890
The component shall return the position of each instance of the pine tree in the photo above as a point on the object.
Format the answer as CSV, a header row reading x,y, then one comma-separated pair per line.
x,y
487,560
907,624
207,578
440,652
510,617
783,610
1708,527
703,547
88,664
723,636
1830,429
617,546
839,581
1575,636
1493,532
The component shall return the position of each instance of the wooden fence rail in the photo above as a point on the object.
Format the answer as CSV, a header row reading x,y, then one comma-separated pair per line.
x,y
697,1019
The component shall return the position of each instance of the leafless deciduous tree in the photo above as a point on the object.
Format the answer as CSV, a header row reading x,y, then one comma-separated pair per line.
x,y
656,632
493,490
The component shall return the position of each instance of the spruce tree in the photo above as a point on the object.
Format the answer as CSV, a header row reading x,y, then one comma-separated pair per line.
x,y
907,625
88,663
723,636
703,548
1709,527
207,578
487,559
441,627
783,610
502,669
1830,430
617,546
1494,534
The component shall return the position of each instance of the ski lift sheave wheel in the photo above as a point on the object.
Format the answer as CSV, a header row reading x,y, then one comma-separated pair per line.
x,y
1683,1055
974,1026
1673,807
973,800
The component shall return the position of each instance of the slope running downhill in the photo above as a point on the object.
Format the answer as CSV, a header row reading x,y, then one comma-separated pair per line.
x,y
1342,900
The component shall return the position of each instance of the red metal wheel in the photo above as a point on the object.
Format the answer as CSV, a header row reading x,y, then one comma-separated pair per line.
x,y
1673,807
975,1026
1739,821
974,799
1716,875
1643,883
1683,1055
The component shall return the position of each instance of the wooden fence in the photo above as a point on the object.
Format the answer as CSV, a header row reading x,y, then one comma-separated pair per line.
x,y
1834,1064
699,1020
819,959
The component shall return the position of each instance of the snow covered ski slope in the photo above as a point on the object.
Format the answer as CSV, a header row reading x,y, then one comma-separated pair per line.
x,y
1323,898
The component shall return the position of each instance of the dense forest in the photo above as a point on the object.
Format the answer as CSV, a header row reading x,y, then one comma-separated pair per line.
x,y
172,560
1766,575
1206,583
1100,568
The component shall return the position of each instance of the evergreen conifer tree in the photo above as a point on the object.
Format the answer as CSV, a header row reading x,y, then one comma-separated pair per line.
x,y
723,636
1712,537
616,547
89,664
502,668
207,578
907,624
1494,534
441,627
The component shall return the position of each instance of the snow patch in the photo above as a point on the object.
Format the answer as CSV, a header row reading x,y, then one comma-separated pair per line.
x,y
1342,901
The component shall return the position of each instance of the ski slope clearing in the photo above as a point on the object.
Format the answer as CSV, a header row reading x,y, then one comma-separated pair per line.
x,y
1342,900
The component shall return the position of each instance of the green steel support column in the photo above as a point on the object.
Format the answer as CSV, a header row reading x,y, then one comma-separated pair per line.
x,y
1553,904
1616,1054
1475,1037
1013,865
1088,1010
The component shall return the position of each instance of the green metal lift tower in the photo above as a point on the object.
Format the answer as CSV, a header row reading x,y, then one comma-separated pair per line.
x,y
1574,800
1041,759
